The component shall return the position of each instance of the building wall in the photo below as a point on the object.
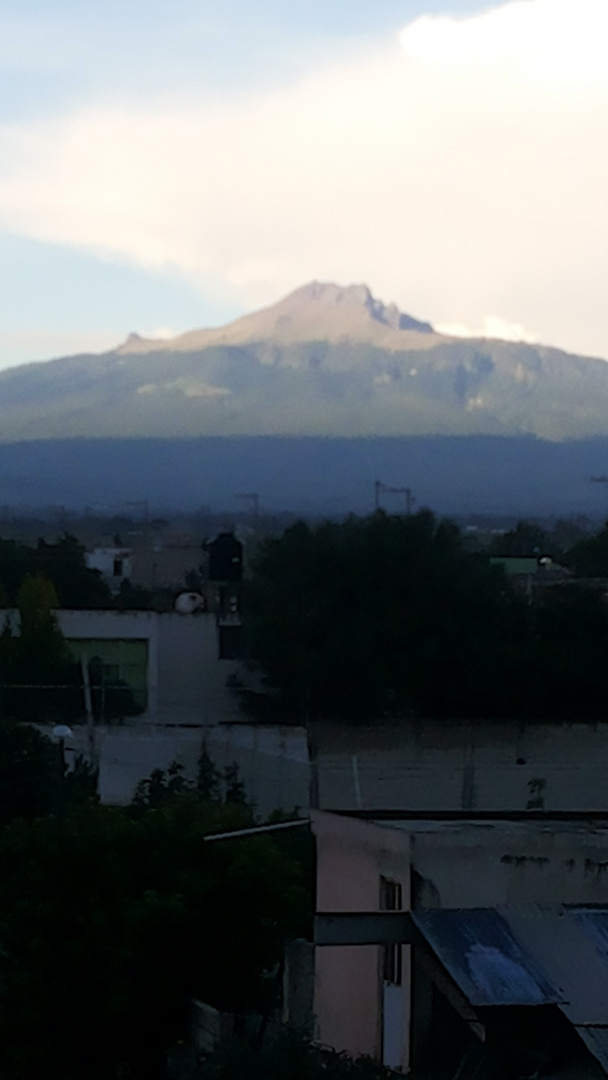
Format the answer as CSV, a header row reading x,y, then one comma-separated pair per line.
x,y
272,761
515,863
105,560
186,678
436,765
191,677
452,865
351,858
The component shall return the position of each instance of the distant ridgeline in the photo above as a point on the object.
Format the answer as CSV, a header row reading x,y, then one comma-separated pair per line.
x,y
451,475
309,402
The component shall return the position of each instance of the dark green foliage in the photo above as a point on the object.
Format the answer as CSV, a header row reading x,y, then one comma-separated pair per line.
x,y
562,672
133,597
165,785
524,541
289,1058
34,781
388,616
112,920
209,777
31,772
61,563
589,557
381,616
38,679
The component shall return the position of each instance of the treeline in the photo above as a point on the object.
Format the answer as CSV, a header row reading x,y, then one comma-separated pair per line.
x,y
76,586
113,919
392,616
40,678
62,563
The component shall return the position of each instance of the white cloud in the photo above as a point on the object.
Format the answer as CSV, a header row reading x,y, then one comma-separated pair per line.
x,y
462,173
492,327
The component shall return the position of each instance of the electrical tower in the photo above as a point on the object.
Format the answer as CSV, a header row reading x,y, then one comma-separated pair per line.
x,y
386,489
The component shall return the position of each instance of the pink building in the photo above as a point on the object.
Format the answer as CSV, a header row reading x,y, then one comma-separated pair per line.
x,y
361,993
484,961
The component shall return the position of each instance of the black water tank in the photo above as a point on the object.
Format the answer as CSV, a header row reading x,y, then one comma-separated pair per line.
x,y
225,557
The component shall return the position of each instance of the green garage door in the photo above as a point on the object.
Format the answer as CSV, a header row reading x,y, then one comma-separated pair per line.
x,y
118,670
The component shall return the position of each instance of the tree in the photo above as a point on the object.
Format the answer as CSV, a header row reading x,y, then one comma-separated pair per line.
x,y
388,617
40,680
112,919
289,1057
31,772
382,616
524,541
589,556
62,563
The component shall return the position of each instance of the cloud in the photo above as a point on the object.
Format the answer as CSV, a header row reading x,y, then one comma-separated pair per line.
x,y
492,327
459,170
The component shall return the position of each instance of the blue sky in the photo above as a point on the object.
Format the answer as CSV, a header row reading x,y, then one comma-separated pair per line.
x,y
167,165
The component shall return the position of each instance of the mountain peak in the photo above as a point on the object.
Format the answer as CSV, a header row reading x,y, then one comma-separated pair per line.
x,y
350,302
318,311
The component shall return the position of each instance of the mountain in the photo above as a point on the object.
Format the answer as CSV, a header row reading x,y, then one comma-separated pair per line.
x,y
324,361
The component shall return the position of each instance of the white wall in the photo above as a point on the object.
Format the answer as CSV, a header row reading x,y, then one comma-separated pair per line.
x,y
436,765
186,678
491,864
102,559
272,761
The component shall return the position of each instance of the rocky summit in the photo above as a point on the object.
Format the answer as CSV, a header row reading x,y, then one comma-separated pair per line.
x,y
324,361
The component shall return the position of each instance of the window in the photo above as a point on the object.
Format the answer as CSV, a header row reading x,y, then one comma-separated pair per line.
x,y
391,899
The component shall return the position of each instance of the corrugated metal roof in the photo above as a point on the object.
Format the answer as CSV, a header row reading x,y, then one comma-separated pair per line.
x,y
480,951
564,944
595,923
596,1040
529,956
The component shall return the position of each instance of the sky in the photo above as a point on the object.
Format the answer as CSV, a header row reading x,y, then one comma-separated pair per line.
x,y
172,164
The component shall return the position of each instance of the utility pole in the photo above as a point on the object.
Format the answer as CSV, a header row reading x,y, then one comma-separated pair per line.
x,y
380,488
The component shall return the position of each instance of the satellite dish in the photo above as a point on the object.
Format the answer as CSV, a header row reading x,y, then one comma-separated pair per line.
x,y
189,602
62,731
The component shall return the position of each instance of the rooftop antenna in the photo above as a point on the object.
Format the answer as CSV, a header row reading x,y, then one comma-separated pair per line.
x,y
385,489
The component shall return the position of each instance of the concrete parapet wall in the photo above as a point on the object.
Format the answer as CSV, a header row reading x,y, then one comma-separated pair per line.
x,y
432,765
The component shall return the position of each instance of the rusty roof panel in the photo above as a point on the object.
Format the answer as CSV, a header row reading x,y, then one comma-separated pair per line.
x,y
480,951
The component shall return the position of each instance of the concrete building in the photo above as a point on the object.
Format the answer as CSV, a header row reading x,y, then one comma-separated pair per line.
x,y
387,992
115,564
169,662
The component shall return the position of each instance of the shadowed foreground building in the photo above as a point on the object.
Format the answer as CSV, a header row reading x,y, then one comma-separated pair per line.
x,y
466,948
